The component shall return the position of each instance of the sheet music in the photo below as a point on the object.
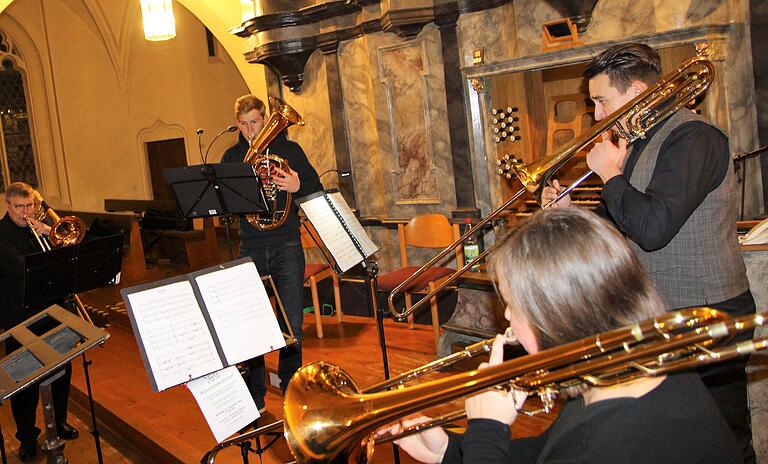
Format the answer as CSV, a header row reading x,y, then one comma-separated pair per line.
x,y
239,308
177,343
225,401
332,232
353,224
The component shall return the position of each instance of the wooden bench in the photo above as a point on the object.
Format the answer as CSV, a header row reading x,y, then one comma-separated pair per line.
x,y
134,268
200,245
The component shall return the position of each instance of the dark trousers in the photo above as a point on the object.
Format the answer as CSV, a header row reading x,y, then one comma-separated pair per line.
x,y
285,263
727,381
24,403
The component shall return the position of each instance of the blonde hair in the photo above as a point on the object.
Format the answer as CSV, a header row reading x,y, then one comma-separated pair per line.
x,y
248,103
570,275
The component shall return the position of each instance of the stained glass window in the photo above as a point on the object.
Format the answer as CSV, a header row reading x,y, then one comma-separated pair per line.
x,y
18,160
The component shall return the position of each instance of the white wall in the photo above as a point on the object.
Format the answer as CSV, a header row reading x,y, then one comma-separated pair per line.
x,y
107,91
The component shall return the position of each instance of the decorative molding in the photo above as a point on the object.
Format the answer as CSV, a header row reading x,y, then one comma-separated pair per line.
x,y
287,57
396,137
715,33
160,130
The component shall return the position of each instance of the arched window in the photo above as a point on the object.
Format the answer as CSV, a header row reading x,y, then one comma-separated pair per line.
x,y
18,157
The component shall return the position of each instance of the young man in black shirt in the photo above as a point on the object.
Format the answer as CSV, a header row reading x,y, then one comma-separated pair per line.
x,y
673,195
277,252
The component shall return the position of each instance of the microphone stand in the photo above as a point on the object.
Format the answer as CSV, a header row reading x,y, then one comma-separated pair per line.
x,y
741,172
227,218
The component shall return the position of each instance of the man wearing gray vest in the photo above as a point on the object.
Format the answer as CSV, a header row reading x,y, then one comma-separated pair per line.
x,y
673,195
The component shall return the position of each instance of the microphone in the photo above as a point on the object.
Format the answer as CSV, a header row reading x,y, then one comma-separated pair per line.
x,y
200,142
228,129
341,172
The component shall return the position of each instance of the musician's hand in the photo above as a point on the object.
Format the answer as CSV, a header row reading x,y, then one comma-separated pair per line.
x,y
550,193
498,405
607,159
40,227
428,446
286,180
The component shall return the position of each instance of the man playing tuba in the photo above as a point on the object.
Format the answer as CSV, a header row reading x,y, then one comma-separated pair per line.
x,y
278,251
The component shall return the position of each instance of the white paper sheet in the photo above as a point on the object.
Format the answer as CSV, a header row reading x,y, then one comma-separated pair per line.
x,y
176,339
225,402
242,316
332,232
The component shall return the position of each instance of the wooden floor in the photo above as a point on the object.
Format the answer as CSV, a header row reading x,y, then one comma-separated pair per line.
x,y
140,425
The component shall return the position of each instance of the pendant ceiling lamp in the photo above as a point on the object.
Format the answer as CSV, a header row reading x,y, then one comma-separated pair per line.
x,y
159,23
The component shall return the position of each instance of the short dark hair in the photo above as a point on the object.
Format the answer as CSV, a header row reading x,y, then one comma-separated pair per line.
x,y
248,103
626,63
569,274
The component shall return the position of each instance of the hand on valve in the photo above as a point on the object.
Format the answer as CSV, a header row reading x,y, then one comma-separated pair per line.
x,y
286,180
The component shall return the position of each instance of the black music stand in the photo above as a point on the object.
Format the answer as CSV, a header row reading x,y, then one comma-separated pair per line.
x,y
49,340
223,189
58,275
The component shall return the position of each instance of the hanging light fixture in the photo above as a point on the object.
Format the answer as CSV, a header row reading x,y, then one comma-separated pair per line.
x,y
159,23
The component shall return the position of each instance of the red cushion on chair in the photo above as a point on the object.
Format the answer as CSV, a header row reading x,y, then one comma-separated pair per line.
x,y
314,269
390,280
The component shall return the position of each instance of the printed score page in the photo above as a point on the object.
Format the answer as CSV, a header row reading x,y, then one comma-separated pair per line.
x,y
240,311
225,402
177,343
332,232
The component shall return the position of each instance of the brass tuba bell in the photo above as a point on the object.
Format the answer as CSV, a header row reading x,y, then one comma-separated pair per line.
x,y
264,163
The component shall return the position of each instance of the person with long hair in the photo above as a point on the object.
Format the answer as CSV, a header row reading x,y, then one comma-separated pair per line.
x,y
564,275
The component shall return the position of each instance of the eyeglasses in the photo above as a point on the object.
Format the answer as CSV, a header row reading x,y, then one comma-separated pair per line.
x,y
20,207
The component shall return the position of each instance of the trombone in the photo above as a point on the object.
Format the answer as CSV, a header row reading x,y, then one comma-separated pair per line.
x,y
470,352
328,419
672,92
65,231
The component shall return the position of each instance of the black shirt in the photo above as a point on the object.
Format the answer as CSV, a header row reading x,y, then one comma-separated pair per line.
x,y
675,422
250,237
685,173
15,243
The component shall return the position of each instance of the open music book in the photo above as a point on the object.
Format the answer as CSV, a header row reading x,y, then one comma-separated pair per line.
x,y
342,234
191,325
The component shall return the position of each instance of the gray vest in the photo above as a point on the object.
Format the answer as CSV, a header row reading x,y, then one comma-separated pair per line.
x,y
702,265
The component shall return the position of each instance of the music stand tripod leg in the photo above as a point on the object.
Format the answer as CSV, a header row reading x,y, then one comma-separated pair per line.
x,y
372,271
53,446
94,425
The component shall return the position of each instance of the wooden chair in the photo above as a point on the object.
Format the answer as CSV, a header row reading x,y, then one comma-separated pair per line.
x,y
317,272
431,231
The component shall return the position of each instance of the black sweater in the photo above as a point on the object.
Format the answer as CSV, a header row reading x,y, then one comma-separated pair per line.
x,y
15,243
677,422
250,237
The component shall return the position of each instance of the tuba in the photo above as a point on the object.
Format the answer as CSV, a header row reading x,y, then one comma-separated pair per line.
x,y
264,164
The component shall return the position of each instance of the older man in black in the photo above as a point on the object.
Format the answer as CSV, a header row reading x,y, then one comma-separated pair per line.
x,y
16,241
